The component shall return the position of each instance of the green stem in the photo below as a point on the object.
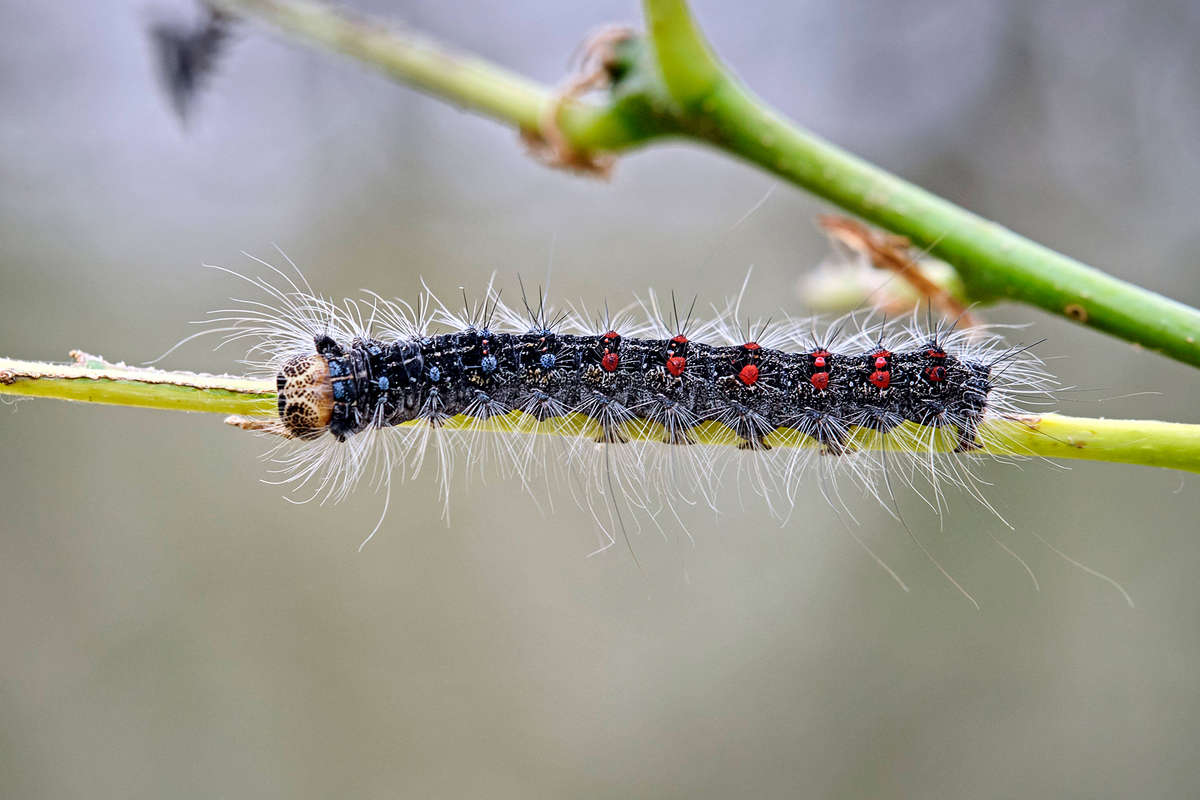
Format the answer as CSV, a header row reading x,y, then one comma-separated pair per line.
x,y
682,89
142,388
465,80
1145,442
1149,443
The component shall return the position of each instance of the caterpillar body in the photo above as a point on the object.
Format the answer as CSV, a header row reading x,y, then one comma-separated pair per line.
x,y
616,381
644,413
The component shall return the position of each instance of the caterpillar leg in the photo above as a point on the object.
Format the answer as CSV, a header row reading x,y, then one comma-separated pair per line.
x,y
753,442
610,434
968,437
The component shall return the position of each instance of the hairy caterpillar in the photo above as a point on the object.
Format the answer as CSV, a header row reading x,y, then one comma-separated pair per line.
x,y
647,413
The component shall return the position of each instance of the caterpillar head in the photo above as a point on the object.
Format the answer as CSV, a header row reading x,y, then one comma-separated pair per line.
x,y
305,396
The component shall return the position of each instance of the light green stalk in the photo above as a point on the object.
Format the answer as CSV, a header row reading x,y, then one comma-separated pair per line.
x,y
1149,443
95,381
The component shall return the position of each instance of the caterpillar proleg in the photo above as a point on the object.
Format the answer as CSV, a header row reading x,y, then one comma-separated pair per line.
x,y
645,409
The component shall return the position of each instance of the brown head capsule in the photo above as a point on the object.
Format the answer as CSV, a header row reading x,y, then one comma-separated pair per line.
x,y
305,396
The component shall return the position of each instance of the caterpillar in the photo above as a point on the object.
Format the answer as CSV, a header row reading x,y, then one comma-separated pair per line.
x,y
648,408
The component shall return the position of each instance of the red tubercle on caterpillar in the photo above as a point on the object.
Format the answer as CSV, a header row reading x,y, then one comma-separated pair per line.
x,y
881,378
676,363
610,360
935,373
748,374
820,364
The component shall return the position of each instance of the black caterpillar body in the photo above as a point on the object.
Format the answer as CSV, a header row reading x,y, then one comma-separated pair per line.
x,y
344,389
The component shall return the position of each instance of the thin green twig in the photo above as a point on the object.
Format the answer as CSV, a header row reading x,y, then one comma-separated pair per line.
x,y
459,78
91,380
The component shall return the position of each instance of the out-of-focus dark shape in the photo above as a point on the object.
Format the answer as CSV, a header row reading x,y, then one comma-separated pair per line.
x,y
187,55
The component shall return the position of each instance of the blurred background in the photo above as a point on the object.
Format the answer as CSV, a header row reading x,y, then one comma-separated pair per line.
x,y
172,627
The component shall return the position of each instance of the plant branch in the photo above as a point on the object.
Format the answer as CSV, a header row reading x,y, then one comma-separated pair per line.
x,y
465,80
92,380
673,84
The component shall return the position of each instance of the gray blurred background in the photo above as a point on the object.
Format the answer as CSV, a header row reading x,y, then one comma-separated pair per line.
x,y
171,627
